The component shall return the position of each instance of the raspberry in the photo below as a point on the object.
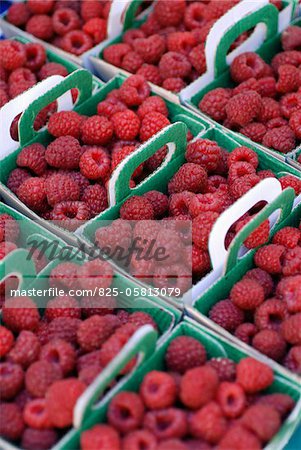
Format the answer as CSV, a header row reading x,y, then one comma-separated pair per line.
x,y
204,152
17,88
130,35
117,234
287,79
139,439
111,348
125,412
224,367
91,9
26,349
245,66
61,398
120,154
295,122
292,262
249,85
96,130
100,306
176,275
110,106
5,249
269,258
16,178
293,360
126,125
33,439
231,399
151,124
59,353
100,436
267,87
179,203
39,376
270,314
65,20
11,377
9,228
174,419
76,42
60,328
150,73
198,387
20,313
291,38
239,437
262,420
159,202
270,343
40,26
190,177
52,68
3,98
290,103
243,108
115,53
174,65
208,423
134,90
132,62
150,48
156,160
291,181
181,42
35,56
281,139
40,7
291,329
137,208
282,403
142,318
201,228
193,17
227,315
200,261
243,154
60,188
265,174
35,414
21,75
71,214
168,13
288,290
11,421
214,103
205,203
152,104
197,59
287,236
6,340
158,390
184,353
64,153
64,276
18,14
253,375
65,123
12,54
258,237
95,274
270,109
94,331
96,199
95,163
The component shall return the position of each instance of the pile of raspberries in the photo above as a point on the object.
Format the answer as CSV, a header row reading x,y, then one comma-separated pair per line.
x,y
265,105
168,48
209,182
196,403
47,362
21,67
74,26
66,181
264,307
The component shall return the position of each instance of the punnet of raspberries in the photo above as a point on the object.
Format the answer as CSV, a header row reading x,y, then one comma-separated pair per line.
x,y
73,26
195,402
46,362
210,181
66,180
265,102
264,307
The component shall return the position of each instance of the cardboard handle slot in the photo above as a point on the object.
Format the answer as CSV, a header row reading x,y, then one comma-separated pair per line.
x,y
17,264
174,136
142,343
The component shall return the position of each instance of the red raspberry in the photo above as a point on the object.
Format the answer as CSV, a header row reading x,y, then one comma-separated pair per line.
x,y
22,75
94,331
291,329
293,360
35,414
125,412
119,233
70,214
214,103
150,48
291,38
5,249
292,262
197,59
100,436
158,390
287,79
243,154
190,177
254,131
62,306
198,387
132,62
126,125
95,163
52,68
270,109
65,123
174,65
263,420
139,439
159,202
59,353
96,130
216,9
39,376
243,108
26,349
247,65
12,54
253,375
64,153
184,353
40,26
6,340
176,275
137,208
40,6
64,276
11,378
155,161
269,258
231,399
204,152
181,42
227,315
18,14
291,181
249,85
100,306
95,274
115,53
295,123
193,17
16,178
151,124
270,343
9,228
205,203
130,35
112,347
11,421
175,421
76,42
289,291
208,423
134,90
224,367
239,437
270,314
91,9
65,20
110,106
173,84
152,104
142,318
60,188
20,313
96,199
258,237
121,153
168,13
150,73
61,398
39,439
179,203
35,56
263,278
265,174
290,103
60,328
4,98
18,87
267,87
282,403
88,374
